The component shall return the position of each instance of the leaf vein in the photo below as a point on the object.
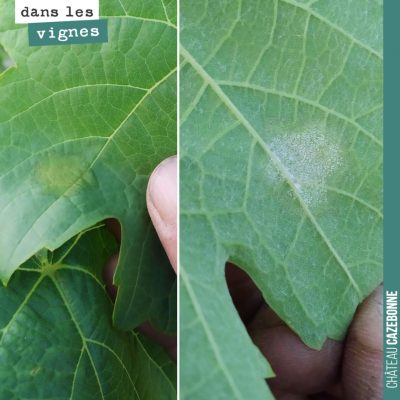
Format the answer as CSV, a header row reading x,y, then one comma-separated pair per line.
x,y
67,305
273,157
304,100
334,26
14,317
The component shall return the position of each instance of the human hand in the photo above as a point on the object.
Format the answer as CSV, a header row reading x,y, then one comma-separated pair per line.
x,y
162,204
351,370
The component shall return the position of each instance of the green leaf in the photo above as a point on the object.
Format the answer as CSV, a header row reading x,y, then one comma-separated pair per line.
x,y
281,174
81,129
56,335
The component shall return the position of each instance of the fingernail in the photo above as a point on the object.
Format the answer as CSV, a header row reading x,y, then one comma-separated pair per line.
x,y
162,190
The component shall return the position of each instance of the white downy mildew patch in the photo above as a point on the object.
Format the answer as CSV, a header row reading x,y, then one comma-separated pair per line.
x,y
309,159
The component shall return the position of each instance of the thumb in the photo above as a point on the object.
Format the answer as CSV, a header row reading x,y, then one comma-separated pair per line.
x,y
362,370
162,203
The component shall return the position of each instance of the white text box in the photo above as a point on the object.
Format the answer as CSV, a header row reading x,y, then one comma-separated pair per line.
x,y
31,11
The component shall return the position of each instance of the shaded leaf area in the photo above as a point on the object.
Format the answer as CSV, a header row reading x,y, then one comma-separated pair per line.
x,y
81,129
57,340
281,174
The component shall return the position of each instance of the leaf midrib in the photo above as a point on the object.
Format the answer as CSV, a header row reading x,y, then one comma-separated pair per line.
x,y
225,99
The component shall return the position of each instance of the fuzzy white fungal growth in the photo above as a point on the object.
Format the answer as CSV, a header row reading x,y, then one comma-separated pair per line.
x,y
309,159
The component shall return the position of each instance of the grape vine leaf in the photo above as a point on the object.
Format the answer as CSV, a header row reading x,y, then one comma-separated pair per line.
x,y
281,174
81,129
56,335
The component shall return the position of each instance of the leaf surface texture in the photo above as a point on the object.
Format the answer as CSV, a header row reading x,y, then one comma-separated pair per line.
x,y
81,129
281,174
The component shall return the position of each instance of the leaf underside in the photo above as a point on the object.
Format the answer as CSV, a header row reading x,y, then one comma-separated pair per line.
x,y
281,174
57,340
81,129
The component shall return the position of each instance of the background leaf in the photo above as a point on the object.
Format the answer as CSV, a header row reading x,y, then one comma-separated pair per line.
x,y
281,174
56,335
81,129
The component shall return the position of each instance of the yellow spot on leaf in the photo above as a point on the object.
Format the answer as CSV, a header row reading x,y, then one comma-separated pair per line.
x,y
61,174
